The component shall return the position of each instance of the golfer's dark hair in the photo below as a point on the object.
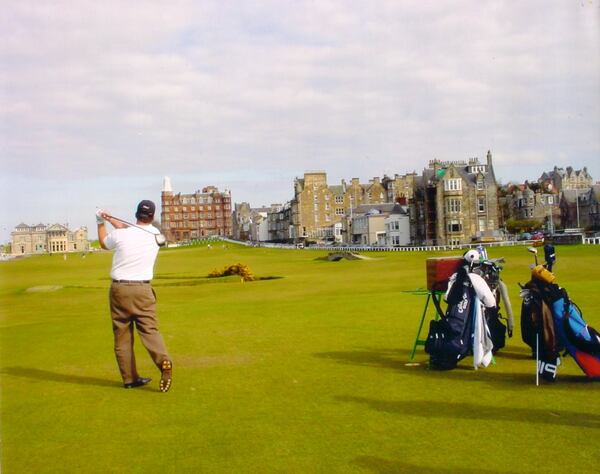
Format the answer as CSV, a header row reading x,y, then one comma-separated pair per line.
x,y
145,219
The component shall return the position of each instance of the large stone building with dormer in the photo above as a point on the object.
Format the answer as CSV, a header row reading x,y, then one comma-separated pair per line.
x,y
561,179
456,202
42,238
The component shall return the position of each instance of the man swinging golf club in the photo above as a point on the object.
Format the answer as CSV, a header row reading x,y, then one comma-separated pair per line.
x,y
132,299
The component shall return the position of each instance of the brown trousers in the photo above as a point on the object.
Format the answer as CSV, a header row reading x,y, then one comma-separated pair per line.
x,y
135,303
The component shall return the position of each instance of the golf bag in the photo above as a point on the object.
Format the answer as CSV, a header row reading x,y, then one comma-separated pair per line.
x,y
463,329
538,331
489,270
549,315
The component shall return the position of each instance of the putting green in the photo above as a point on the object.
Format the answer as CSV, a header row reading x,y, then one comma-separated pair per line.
x,y
307,372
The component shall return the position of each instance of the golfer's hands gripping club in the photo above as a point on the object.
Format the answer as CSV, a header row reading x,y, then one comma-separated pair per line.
x,y
101,216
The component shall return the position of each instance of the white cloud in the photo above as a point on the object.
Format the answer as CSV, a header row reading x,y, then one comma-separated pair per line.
x,y
234,91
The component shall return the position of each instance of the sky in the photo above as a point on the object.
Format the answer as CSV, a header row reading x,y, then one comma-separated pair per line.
x,y
100,100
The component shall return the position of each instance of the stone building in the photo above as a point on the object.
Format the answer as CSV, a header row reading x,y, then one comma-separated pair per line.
x,y
248,222
279,220
400,188
191,216
41,238
456,202
322,212
581,208
534,203
560,179
259,227
241,220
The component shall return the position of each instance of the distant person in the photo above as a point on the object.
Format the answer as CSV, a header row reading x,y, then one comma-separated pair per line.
x,y
132,299
549,255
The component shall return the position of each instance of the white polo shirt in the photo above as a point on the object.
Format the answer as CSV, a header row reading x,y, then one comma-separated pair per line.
x,y
135,253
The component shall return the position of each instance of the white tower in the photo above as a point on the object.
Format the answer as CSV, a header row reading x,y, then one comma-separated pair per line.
x,y
167,185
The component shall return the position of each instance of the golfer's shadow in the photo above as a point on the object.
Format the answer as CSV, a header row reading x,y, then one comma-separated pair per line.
x,y
39,374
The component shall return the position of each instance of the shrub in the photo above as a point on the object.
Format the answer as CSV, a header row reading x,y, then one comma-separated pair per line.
x,y
235,269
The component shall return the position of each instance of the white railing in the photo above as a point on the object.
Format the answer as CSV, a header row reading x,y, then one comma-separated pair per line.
x,y
367,248
424,248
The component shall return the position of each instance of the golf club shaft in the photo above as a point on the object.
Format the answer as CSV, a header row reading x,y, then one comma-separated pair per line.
x,y
129,223
537,359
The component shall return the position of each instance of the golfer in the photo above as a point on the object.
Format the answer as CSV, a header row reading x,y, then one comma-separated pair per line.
x,y
132,299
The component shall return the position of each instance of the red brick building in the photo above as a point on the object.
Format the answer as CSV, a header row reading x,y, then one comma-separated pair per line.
x,y
191,216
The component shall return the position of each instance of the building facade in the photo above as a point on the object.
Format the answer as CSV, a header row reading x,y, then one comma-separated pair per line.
x,y
560,179
535,203
250,223
41,239
192,216
581,208
384,224
457,202
279,223
323,212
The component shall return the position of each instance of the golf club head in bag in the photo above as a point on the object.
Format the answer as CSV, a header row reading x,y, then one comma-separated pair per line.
x,y
533,250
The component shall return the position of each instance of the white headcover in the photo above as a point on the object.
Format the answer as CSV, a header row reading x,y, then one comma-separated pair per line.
x,y
482,290
472,256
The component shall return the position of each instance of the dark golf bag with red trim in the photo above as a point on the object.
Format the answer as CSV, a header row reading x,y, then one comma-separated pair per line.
x,y
449,339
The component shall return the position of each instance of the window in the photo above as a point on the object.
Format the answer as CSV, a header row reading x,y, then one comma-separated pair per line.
x,y
453,205
316,206
339,211
480,185
481,225
453,185
326,197
339,199
481,204
454,226
550,199
327,206
454,241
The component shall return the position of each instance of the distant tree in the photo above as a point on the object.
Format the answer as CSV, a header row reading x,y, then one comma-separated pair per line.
x,y
515,226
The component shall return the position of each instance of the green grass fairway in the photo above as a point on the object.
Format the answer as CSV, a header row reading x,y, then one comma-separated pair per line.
x,y
306,373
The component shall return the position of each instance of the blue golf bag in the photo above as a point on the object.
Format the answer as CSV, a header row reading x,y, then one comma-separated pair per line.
x,y
550,317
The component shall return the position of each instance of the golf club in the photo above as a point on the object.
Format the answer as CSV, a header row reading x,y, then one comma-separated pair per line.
x,y
537,359
534,252
161,240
